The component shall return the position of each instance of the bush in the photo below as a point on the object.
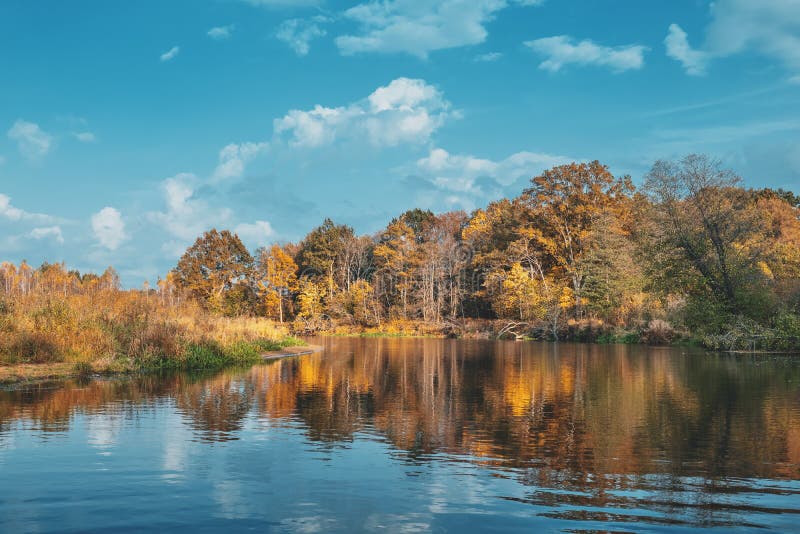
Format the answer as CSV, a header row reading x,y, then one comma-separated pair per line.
x,y
658,332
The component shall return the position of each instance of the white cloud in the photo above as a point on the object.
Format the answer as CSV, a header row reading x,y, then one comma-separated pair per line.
x,y
85,137
298,33
109,228
33,142
170,54
460,173
679,49
49,231
186,215
8,211
257,234
562,50
768,27
488,57
419,27
464,181
12,213
405,111
221,32
233,159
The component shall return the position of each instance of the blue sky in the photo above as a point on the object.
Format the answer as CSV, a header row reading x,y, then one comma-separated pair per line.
x,y
128,128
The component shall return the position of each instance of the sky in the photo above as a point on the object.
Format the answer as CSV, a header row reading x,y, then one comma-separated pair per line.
x,y
129,128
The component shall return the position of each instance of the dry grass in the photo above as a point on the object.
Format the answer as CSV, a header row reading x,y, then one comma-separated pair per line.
x,y
115,330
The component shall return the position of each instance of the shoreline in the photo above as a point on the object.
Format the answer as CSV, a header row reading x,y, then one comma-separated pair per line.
x,y
288,352
32,373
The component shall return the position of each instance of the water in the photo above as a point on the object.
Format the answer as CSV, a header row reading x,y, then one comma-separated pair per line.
x,y
404,435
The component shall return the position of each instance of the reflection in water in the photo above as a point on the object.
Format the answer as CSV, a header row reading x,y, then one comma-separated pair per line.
x,y
574,433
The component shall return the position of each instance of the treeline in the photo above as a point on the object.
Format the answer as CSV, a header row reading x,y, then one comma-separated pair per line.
x,y
579,254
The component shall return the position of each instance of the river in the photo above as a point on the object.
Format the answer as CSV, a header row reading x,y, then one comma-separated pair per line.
x,y
414,435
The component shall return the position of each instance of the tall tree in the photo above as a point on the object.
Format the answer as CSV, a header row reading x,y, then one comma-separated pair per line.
x,y
566,203
711,224
394,255
213,266
322,253
277,277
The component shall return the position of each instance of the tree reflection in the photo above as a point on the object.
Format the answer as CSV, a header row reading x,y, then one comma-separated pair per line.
x,y
587,418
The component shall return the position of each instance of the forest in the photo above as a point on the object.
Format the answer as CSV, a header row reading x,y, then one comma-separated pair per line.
x,y
690,256
579,254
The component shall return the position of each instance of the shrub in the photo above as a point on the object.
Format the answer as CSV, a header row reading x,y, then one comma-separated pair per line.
x,y
658,332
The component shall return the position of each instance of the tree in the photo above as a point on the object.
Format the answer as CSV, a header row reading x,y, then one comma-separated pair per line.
x,y
277,277
394,255
420,222
712,227
309,298
566,203
516,295
322,252
212,267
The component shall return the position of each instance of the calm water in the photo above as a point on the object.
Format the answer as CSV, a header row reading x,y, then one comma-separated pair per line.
x,y
414,435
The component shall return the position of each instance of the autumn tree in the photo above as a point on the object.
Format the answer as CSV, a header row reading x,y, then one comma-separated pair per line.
x,y
566,203
276,274
712,229
516,295
394,256
216,265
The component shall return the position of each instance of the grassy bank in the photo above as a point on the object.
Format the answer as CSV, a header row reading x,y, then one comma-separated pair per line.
x,y
740,336
50,335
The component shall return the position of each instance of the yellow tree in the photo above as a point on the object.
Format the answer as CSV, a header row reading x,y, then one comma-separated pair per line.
x,y
277,274
394,257
309,298
8,275
566,203
515,294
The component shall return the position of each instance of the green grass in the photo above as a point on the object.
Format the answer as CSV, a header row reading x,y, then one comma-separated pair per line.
x,y
212,355
627,338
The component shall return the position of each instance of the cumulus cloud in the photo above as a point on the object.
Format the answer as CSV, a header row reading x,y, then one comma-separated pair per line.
x,y
419,27
254,235
109,228
679,49
460,173
53,232
768,27
298,33
186,215
220,32
170,54
33,142
233,159
405,111
563,50
12,213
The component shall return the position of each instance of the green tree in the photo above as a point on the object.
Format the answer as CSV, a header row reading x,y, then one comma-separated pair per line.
x,y
711,230
322,253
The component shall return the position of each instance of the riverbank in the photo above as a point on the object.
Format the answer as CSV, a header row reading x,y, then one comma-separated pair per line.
x,y
783,338
199,357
